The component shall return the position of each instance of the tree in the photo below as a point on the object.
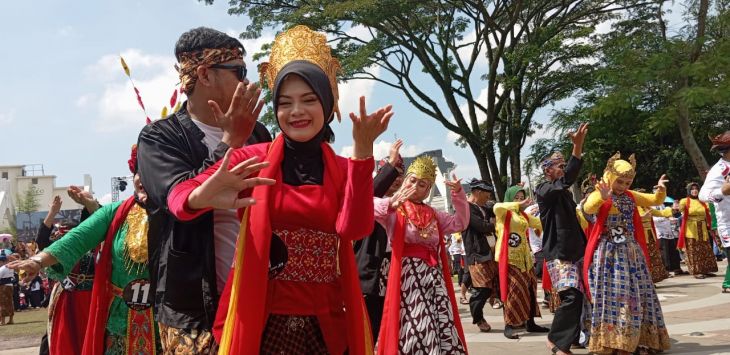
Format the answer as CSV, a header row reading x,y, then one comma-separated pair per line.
x,y
649,98
537,52
28,201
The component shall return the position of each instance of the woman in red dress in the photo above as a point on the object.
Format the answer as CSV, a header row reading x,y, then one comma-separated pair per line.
x,y
294,285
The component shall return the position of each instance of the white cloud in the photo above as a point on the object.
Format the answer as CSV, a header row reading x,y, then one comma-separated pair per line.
x,y
465,52
7,118
252,47
350,92
65,31
381,149
154,76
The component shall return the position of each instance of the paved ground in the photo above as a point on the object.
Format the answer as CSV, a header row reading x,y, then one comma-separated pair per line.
x,y
697,314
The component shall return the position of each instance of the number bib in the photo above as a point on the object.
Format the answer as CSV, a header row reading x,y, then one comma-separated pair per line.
x,y
514,240
618,234
137,294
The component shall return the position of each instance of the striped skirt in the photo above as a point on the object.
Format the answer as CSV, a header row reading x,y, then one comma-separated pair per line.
x,y
521,303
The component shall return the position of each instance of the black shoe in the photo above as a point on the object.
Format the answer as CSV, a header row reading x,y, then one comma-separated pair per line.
x,y
509,332
534,328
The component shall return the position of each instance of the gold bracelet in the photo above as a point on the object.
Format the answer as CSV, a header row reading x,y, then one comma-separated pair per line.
x,y
361,159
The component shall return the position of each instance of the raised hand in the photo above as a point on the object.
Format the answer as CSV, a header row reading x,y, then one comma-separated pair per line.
x,y
82,197
662,184
454,184
222,189
402,195
367,127
578,138
239,121
55,205
394,153
604,188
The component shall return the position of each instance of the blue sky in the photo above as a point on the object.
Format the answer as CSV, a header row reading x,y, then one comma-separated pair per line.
x,y
66,103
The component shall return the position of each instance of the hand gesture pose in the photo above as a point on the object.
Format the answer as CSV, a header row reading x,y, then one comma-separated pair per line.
x,y
222,189
604,188
55,205
394,154
578,138
526,203
367,127
662,184
83,198
30,267
402,195
238,122
454,184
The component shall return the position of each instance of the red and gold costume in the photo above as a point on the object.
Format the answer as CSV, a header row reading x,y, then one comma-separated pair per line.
x,y
313,303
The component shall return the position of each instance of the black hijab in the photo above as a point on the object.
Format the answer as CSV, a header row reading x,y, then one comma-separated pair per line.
x,y
302,163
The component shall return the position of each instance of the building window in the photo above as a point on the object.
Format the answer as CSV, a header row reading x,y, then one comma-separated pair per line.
x,y
5,174
34,181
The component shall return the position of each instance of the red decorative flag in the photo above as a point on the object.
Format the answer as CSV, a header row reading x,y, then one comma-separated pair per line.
x,y
173,99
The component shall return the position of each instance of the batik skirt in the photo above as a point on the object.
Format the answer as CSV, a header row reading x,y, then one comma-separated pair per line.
x,y
700,258
658,271
426,319
521,303
6,301
626,312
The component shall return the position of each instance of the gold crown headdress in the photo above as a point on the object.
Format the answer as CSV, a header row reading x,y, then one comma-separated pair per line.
x,y
301,43
611,168
423,168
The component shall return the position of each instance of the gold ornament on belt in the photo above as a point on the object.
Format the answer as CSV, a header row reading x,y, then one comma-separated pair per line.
x,y
423,168
134,253
625,173
301,43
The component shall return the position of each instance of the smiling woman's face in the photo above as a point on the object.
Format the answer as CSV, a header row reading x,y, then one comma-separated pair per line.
x,y
299,110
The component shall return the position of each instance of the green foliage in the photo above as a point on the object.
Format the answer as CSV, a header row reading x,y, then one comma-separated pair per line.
x,y
28,201
537,52
644,81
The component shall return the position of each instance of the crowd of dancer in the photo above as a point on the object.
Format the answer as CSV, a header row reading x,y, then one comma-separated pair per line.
x,y
234,243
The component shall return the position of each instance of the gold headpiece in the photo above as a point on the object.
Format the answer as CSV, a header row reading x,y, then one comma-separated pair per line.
x,y
301,43
624,173
423,168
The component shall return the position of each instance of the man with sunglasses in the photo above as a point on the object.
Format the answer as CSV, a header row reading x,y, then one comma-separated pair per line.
x,y
189,263
563,241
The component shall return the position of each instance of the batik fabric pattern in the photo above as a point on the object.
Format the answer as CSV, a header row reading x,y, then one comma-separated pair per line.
x,y
426,319
626,312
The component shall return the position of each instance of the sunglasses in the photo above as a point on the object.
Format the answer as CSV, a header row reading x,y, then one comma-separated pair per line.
x,y
240,69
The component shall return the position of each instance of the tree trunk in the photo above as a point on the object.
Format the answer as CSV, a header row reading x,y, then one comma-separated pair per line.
x,y
689,142
683,112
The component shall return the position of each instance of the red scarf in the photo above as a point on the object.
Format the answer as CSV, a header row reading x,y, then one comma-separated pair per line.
x,y
504,254
419,214
101,296
390,325
685,218
598,229
249,315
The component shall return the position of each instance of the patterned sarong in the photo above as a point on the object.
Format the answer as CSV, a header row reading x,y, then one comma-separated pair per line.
x,y
700,259
521,302
658,271
626,312
426,320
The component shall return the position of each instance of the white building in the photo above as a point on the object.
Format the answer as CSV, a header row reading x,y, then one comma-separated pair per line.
x,y
15,180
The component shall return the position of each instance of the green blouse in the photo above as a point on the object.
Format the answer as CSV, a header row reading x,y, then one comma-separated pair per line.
x,y
86,236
